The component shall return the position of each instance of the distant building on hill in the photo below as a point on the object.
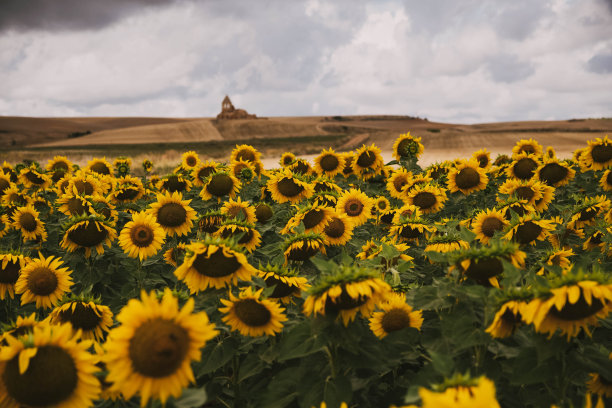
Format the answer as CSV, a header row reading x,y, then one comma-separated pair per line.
x,y
229,112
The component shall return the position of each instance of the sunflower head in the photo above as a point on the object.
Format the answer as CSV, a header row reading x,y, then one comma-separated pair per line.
x,y
242,232
263,212
34,177
252,315
245,152
99,166
27,221
174,214
554,173
23,326
219,184
483,158
508,316
598,155
44,281
329,163
239,210
461,391
142,237
286,186
301,167
127,190
287,159
407,146
523,166
122,166
302,246
395,315
84,313
11,264
286,282
210,221
467,177
527,147
190,160
429,198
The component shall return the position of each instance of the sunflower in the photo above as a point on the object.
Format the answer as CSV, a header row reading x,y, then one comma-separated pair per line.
x,y
344,293
151,352
173,256
14,197
23,326
438,171
587,212
147,166
606,180
243,170
315,218
286,282
99,165
406,211
596,240
356,205
201,172
127,190
263,212
445,243
103,207
58,166
301,167
598,155
573,302
529,190
368,162
245,152
487,223
87,315
5,182
507,319
84,184
548,194
372,248
560,258
88,232
122,166
33,177
44,281
381,205
514,206
407,146
554,173
175,182
329,163
599,384
338,230
528,229
287,159
429,198
411,228
42,205
53,363
285,186
72,205
461,392
142,237
467,177
349,157
395,315
219,184
244,234
251,315
173,213
213,262
10,269
190,160
529,147
301,247
523,166
484,264
239,210
398,181
483,158
26,220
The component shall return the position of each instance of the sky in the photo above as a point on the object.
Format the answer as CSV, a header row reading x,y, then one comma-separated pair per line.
x,y
468,61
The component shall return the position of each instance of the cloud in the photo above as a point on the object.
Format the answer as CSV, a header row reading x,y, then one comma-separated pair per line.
x,y
509,68
600,64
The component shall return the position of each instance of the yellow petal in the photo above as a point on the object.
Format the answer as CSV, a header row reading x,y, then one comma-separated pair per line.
x,y
24,358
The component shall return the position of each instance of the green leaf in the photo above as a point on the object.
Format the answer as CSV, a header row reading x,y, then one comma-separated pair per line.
x,y
337,391
191,398
299,342
442,363
218,355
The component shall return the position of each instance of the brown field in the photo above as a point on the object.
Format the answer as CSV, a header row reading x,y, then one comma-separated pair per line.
x,y
164,139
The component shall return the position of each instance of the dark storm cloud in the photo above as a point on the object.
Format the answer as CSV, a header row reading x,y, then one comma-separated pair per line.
x,y
59,15
508,68
600,64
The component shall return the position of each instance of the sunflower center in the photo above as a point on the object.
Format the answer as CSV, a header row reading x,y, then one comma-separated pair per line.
x,y
247,234
57,175
141,235
59,166
303,253
529,149
382,205
42,281
335,228
220,185
588,214
88,235
191,161
312,218
82,317
510,318
100,168
482,269
34,178
602,153
127,193
344,302
553,173
28,222
4,184
524,168
424,199
366,159
263,212
281,289
10,273
579,310
300,167
410,233
467,178
76,207
172,215
483,160
216,265
527,232
353,207
252,313
524,193
287,159
84,187
50,379
205,172
158,348
405,147
596,238
399,183
395,319
246,155
490,225
329,162
289,188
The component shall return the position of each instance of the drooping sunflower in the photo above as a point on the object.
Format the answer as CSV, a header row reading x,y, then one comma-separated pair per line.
x,y
329,163
528,229
239,210
396,315
483,158
201,172
460,392
213,262
587,211
263,212
190,160
530,190
429,198
33,177
368,162
251,315
398,181
59,166
599,384
445,243
72,205
339,230
243,170
287,159
344,293
407,146
467,177
84,184
220,184
243,233
245,152
11,265
356,205
548,194
523,166
597,155
314,217
86,314
406,211
26,220
128,189
529,147
100,166
508,317
142,237
372,248
300,247
606,180
411,228
573,302
286,282
175,182
88,232
554,173
323,184
438,171
484,264
285,186
150,353
42,280
514,206
173,213
50,368
487,223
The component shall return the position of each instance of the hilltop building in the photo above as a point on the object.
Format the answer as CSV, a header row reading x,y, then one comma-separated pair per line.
x,y
228,111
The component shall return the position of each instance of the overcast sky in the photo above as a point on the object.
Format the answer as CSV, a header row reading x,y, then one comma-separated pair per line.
x,y
467,61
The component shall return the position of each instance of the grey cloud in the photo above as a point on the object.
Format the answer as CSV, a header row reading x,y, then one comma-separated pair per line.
x,y
508,68
600,64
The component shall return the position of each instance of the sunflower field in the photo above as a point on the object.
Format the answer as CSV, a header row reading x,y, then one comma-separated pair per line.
x,y
347,282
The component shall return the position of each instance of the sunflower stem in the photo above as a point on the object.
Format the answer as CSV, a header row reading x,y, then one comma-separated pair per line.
x,y
332,366
236,370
